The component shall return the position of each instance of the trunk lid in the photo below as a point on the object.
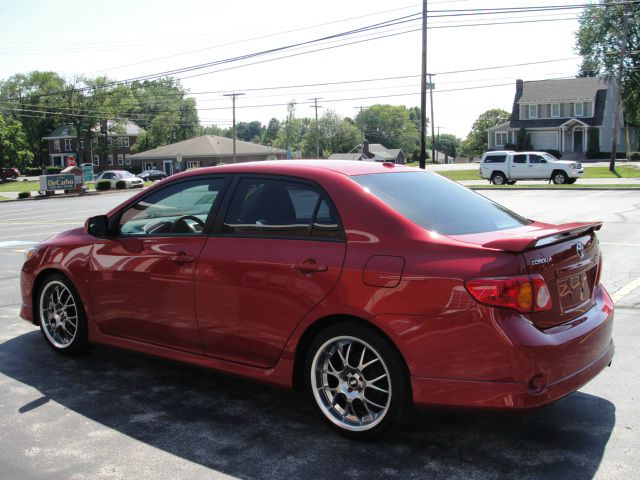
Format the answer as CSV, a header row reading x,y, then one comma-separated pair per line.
x,y
568,258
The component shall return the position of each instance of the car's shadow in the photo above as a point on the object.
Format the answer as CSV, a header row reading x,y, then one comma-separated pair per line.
x,y
253,431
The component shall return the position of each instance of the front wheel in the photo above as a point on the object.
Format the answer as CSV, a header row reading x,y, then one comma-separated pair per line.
x,y
357,381
559,178
62,319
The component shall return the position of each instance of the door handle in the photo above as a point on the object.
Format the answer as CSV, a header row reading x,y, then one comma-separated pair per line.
x,y
310,266
182,258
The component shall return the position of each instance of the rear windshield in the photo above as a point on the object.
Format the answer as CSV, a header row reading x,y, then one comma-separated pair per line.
x,y
438,204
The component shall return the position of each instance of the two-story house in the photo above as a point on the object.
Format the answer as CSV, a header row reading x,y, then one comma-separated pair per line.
x,y
375,152
110,151
562,115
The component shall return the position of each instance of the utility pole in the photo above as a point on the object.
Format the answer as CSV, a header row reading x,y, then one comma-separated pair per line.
x,y
362,128
433,147
233,102
423,89
315,105
616,122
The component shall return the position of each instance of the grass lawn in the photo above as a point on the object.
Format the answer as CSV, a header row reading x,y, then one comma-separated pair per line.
x,y
2,199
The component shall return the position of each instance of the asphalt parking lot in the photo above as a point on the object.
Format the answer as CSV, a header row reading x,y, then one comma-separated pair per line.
x,y
117,415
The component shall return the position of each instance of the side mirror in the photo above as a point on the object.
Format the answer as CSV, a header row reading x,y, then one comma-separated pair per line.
x,y
97,226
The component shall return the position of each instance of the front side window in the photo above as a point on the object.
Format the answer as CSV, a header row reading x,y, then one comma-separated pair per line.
x,y
420,196
179,209
535,158
280,208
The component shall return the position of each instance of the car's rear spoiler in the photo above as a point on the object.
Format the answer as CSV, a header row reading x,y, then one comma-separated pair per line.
x,y
543,237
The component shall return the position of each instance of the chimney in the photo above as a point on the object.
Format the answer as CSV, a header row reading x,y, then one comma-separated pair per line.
x,y
519,86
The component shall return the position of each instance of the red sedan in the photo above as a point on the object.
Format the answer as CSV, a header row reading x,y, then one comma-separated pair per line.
x,y
373,285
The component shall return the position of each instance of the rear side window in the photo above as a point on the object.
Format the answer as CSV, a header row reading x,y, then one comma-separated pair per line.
x,y
522,158
280,208
498,158
438,204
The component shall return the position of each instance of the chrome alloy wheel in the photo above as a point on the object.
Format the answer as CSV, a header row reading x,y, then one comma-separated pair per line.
x,y
58,314
351,383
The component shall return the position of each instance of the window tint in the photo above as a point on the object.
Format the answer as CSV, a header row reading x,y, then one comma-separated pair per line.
x,y
534,158
519,159
438,204
279,208
495,158
179,209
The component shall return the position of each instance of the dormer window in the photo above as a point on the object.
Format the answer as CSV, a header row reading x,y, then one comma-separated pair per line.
x,y
578,109
533,111
555,110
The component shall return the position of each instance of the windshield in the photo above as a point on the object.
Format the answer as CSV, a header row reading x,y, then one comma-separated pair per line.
x,y
438,204
549,157
126,174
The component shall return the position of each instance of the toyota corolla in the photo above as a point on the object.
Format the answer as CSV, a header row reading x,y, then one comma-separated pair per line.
x,y
374,286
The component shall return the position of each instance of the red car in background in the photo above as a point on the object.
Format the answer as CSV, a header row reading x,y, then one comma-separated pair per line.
x,y
374,286
9,172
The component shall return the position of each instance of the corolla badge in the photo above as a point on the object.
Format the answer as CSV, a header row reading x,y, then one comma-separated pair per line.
x,y
580,250
540,261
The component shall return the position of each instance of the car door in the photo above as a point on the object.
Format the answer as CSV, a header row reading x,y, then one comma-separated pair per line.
x,y
538,166
275,254
142,278
518,166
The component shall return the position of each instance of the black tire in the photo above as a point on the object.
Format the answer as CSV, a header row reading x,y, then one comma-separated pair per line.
x,y
511,182
571,181
498,178
58,306
366,397
559,177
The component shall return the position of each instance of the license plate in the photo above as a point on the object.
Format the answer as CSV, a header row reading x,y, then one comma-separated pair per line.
x,y
574,290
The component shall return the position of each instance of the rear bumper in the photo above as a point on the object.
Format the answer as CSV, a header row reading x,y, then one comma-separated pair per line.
x,y
543,365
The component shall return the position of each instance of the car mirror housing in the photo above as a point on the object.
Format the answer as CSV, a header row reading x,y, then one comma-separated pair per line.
x,y
97,226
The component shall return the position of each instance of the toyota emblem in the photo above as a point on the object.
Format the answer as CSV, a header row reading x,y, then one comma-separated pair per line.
x,y
580,250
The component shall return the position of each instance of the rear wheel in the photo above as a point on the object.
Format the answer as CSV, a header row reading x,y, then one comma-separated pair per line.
x,y
61,316
498,178
357,381
559,177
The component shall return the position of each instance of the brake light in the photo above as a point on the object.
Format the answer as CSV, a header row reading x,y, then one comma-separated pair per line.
x,y
598,272
523,293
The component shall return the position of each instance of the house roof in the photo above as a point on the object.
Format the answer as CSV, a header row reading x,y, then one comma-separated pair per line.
x,y
346,156
207,146
564,90
69,131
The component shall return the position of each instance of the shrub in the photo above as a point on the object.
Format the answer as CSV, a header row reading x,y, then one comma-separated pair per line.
x,y
53,170
555,153
121,184
593,147
510,146
635,156
32,171
103,185
24,194
604,155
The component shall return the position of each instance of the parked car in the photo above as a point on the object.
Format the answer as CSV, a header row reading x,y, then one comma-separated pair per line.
x,y
507,167
114,176
372,285
152,175
9,172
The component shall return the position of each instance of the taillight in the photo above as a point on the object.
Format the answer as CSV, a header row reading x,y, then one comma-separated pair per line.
x,y
598,272
523,293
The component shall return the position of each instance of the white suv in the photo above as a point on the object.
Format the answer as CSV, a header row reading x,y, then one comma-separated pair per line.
x,y
506,167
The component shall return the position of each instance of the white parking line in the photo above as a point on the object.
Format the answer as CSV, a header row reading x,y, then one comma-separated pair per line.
x,y
621,244
626,290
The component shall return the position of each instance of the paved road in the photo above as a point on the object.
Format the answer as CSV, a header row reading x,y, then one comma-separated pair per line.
x,y
118,415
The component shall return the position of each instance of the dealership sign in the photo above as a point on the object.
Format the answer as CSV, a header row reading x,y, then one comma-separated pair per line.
x,y
57,182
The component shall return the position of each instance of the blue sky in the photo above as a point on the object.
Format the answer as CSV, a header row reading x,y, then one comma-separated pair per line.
x,y
123,39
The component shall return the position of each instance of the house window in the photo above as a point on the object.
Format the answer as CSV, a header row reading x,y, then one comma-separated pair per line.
x,y
502,139
67,144
578,109
125,142
127,159
120,159
533,111
193,164
555,110
110,159
96,160
109,141
81,144
94,141
148,166
118,141
56,145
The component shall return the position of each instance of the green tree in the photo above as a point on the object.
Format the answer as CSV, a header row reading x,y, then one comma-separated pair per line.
x,y
448,144
476,142
14,148
390,125
270,133
598,41
249,131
